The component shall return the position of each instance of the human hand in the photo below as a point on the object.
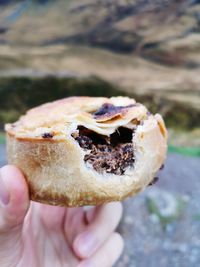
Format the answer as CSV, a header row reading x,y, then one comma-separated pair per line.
x,y
38,235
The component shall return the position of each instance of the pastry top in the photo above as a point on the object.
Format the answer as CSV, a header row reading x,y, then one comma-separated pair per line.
x,y
54,120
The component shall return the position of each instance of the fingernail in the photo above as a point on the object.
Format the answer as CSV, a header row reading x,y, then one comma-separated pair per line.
x,y
87,244
4,194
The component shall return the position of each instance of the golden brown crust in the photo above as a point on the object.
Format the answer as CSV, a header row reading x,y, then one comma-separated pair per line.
x,y
54,167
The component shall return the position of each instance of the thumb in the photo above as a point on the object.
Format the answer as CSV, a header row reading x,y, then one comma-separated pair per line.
x,y
14,203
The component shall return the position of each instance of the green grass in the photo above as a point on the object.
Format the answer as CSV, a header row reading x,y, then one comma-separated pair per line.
x,y
2,138
164,220
187,151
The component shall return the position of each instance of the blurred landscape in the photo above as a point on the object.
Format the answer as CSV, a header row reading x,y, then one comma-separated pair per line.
x,y
146,49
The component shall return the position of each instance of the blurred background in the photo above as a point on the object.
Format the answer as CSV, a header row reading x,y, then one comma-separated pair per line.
x,y
146,49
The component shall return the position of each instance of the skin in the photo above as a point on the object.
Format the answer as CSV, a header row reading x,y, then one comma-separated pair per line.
x,y
37,235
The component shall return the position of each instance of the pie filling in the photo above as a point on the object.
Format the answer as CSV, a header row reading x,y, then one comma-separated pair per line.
x,y
113,154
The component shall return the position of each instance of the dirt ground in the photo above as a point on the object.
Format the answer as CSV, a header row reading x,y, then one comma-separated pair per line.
x,y
161,226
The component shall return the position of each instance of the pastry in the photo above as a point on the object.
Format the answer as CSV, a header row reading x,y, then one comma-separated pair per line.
x,y
87,150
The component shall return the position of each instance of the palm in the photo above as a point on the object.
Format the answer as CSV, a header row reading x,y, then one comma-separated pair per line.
x,y
48,235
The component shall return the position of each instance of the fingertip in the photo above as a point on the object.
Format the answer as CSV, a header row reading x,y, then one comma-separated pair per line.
x,y
76,249
15,182
16,185
85,244
120,241
98,230
112,210
79,248
11,171
107,254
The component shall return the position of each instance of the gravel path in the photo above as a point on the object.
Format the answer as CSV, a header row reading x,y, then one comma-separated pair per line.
x,y
169,235
150,240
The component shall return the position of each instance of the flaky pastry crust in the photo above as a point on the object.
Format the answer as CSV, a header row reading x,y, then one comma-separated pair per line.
x,y
40,143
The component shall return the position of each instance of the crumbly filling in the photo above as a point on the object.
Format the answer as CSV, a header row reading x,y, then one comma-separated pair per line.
x,y
113,154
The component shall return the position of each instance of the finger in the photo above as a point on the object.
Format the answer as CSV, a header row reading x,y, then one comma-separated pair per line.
x,y
14,198
74,223
90,214
52,216
14,203
107,255
105,222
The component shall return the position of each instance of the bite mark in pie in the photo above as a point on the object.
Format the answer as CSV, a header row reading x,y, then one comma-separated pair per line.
x,y
87,151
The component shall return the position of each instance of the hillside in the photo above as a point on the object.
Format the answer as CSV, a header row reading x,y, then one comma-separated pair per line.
x,y
146,49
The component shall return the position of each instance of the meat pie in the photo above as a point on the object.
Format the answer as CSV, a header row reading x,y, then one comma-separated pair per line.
x,y
87,151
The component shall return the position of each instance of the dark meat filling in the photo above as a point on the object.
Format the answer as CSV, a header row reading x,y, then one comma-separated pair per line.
x,y
110,154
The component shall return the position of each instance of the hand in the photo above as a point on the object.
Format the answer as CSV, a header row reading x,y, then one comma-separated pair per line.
x,y
37,235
